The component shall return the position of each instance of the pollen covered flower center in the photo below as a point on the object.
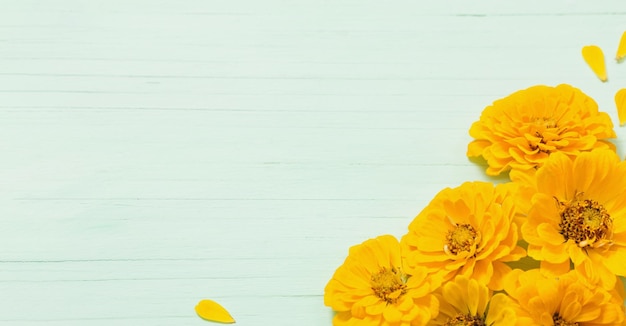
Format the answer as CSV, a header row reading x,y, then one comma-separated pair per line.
x,y
558,321
462,239
389,284
465,320
586,222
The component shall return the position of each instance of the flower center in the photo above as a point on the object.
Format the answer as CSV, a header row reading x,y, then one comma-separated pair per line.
x,y
542,134
463,238
586,222
389,284
558,321
465,320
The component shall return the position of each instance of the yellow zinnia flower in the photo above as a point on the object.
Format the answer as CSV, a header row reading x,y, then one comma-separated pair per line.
x,y
578,216
372,288
468,230
464,301
520,131
563,301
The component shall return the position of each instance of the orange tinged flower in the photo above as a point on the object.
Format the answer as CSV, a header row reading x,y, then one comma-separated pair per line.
x,y
373,288
595,60
620,103
465,301
578,216
564,301
468,230
520,131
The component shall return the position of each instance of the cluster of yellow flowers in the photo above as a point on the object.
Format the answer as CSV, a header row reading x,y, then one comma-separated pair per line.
x,y
546,248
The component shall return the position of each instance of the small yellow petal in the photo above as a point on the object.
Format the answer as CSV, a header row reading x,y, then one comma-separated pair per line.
x,y
213,311
620,102
595,59
621,49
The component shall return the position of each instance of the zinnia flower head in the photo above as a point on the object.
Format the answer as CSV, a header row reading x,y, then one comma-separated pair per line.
x,y
464,301
578,216
469,230
568,300
519,132
372,288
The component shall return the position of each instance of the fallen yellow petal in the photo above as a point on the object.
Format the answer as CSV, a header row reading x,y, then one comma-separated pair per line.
x,y
620,102
213,311
621,49
595,59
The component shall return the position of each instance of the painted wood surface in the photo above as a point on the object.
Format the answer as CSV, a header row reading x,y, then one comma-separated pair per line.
x,y
155,153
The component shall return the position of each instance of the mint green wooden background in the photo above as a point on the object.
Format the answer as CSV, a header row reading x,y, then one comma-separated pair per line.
x,y
155,153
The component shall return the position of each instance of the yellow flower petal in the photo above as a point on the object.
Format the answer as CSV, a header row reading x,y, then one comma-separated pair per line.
x,y
595,59
213,311
620,102
501,311
621,49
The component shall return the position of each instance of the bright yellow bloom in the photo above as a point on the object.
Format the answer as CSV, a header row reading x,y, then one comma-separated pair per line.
x,y
520,131
564,301
372,288
468,230
578,216
464,301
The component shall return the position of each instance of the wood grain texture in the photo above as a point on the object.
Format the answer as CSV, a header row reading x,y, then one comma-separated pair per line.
x,y
155,153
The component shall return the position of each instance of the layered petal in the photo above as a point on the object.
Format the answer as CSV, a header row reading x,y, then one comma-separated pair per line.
x,y
577,215
470,230
466,301
519,132
565,300
372,288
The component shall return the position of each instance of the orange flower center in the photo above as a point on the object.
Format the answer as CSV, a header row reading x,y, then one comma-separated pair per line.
x,y
389,284
462,239
558,321
586,222
465,320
